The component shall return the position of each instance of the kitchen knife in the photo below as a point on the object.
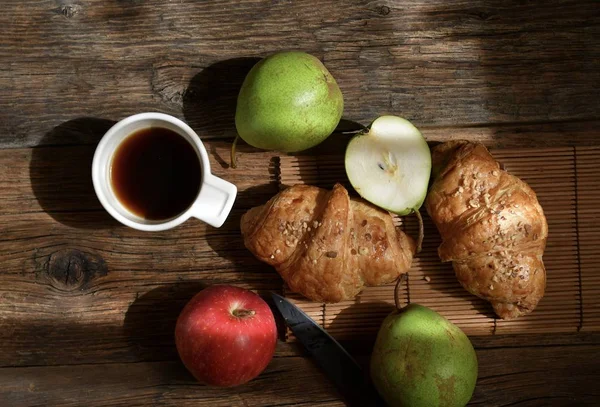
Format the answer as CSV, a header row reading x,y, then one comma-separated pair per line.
x,y
331,357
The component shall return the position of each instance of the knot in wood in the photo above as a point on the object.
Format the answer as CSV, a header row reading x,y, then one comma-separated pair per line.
x,y
69,10
166,83
383,10
72,269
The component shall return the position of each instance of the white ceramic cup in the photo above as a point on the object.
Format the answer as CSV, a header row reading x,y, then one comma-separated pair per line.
x,y
213,203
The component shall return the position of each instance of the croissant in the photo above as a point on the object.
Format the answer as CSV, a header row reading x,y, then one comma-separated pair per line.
x,y
326,245
493,228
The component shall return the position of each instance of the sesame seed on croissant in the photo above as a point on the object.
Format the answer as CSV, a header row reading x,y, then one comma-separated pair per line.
x,y
492,226
326,245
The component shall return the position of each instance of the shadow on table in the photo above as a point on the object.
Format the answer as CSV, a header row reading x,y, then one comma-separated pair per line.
x,y
350,331
232,248
515,62
210,100
356,328
149,325
61,173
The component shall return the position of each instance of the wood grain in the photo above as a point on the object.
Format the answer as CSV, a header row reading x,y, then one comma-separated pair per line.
x,y
87,307
522,376
85,285
543,372
453,64
287,381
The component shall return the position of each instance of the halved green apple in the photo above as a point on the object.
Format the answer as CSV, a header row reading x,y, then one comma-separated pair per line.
x,y
390,164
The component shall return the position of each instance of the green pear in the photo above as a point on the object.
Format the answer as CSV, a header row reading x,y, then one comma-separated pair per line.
x,y
288,102
422,359
390,164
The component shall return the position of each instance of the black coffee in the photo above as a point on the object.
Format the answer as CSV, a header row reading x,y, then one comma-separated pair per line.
x,y
155,173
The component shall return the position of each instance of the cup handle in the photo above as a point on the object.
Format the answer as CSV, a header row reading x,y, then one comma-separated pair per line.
x,y
215,200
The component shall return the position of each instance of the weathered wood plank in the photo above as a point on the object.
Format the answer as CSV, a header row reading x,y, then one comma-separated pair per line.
x,y
124,318
566,340
525,376
457,63
537,376
48,205
57,179
522,136
76,280
287,381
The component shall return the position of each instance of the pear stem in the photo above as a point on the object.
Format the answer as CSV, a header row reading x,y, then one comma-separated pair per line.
x,y
421,230
232,158
399,282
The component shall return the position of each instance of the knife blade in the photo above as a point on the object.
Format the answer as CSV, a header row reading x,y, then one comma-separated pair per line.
x,y
330,356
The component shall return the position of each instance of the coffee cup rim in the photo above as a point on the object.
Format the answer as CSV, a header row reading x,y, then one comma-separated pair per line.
x,y
101,158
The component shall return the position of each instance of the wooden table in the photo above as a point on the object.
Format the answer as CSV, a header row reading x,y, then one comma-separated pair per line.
x,y
87,306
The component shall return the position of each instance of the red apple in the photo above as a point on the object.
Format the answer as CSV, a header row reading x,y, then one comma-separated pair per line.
x,y
226,335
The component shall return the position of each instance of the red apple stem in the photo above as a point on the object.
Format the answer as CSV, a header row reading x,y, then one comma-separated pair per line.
x,y
243,313
399,282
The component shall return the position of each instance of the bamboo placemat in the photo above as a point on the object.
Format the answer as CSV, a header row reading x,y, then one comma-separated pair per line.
x,y
588,214
567,183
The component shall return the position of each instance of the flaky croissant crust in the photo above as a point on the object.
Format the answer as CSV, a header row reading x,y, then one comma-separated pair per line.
x,y
493,228
326,245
